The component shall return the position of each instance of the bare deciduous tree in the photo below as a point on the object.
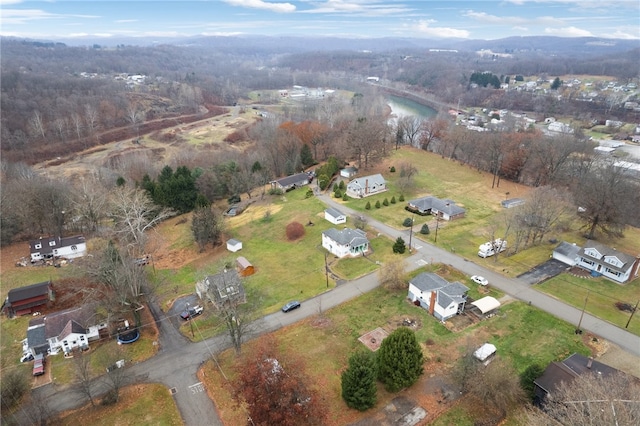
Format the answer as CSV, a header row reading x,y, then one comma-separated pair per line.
x,y
82,372
392,274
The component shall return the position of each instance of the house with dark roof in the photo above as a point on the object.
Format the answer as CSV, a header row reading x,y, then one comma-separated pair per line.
x,y
566,371
367,185
26,300
291,182
439,297
566,253
346,242
444,209
55,247
222,288
64,330
608,262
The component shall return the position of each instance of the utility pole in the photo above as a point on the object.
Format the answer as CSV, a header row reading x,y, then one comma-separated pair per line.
x,y
326,268
435,240
632,312
411,231
190,318
578,330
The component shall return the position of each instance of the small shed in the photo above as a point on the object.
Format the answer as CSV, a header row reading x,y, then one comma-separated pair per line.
x,y
335,216
486,304
349,172
234,245
512,202
245,268
485,353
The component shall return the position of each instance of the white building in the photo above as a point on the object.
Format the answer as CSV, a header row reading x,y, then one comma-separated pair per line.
x,y
335,216
347,242
54,247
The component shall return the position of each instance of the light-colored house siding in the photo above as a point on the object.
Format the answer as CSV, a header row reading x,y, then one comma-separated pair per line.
x,y
347,242
366,186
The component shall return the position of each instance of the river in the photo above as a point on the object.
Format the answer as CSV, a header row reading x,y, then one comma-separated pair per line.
x,y
401,107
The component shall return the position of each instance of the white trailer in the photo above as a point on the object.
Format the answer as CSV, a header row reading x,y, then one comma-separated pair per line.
x,y
492,247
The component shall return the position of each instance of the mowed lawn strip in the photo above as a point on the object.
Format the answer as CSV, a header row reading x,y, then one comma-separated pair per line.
x,y
600,294
148,404
521,333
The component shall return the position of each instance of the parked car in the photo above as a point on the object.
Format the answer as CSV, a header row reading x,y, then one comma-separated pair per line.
x,y
479,280
291,306
192,311
38,365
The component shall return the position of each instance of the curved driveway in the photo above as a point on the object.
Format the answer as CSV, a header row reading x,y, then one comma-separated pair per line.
x,y
177,361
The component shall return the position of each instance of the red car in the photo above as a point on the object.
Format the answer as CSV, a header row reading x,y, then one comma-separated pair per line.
x,y
38,365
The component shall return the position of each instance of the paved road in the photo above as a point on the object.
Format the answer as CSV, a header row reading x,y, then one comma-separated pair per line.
x,y
177,361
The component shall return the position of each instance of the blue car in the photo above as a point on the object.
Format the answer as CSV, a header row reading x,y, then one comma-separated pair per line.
x,y
291,306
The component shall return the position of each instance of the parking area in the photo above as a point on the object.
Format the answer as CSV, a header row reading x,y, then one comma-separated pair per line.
x,y
180,305
543,272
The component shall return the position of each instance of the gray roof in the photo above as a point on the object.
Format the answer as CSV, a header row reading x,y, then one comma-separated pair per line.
x,y
428,281
297,179
347,236
334,212
36,338
607,251
567,249
224,285
370,180
569,369
233,242
58,322
448,207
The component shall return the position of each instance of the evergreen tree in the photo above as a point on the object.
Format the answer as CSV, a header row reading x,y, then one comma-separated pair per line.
x,y
401,199
425,229
385,202
359,381
344,197
342,185
399,246
368,206
207,227
556,84
399,360
378,204
306,156
120,181
393,199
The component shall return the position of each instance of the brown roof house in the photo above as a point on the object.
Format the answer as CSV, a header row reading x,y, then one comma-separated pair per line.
x,y
222,288
25,300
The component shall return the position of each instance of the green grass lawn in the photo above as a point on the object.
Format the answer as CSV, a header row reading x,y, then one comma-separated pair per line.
x,y
601,295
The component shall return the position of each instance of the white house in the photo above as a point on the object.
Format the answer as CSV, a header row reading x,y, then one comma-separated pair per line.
x,y
609,262
560,127
335,216
51,247
64,330
347,242
566,253
234,245
366,186
439,297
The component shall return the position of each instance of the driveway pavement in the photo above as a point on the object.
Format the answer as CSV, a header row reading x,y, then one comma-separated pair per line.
x,y
178,361
543,272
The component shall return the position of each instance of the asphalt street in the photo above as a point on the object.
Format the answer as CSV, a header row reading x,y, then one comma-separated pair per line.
x,y
178,361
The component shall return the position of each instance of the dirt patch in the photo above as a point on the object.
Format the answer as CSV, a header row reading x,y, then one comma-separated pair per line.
x,y
373,339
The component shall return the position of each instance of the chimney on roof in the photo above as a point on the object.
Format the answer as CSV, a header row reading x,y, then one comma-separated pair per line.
x,y
590,362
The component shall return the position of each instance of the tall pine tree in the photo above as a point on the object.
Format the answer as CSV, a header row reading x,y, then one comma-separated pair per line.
x,y
359,381
399,360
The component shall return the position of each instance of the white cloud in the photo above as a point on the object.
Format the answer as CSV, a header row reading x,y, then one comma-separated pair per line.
x,y
568,32
22,16
358,7
520,29
125,21
485,18
264,5
631,35
424,27
3,2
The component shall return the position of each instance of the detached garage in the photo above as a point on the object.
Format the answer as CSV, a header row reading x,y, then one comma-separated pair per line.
x,y
245,268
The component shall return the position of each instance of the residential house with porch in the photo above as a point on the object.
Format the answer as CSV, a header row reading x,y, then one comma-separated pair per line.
x,y
608,262
444,209
439,297
64,330
346,242
367,185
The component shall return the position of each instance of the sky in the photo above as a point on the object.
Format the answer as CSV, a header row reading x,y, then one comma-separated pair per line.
x,y
429,19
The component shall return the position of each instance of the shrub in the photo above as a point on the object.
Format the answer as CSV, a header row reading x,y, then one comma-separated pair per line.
x,y
14,386
309,193
378,205
425,229
275,191
234,199
342,185
385,202
295,230
393,200
392,169
399,246
368,206
401,199
344,197
407,222
337,194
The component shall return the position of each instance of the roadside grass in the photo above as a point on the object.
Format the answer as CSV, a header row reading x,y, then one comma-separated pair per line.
x,y
521,333
382,247
601,295
140,404
13,330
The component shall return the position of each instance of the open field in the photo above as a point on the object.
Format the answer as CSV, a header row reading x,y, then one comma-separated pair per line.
x,y
149,404
330,339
